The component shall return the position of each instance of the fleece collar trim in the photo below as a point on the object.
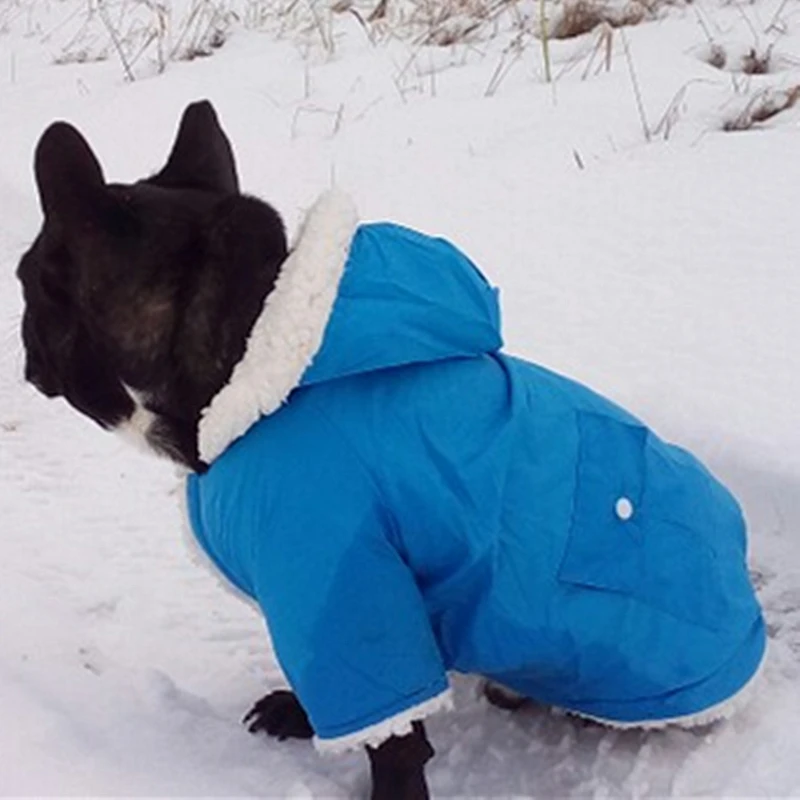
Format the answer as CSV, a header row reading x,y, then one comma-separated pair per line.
x,y
289,331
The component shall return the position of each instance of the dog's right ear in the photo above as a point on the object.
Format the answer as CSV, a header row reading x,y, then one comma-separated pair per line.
x,y
201,157
68,176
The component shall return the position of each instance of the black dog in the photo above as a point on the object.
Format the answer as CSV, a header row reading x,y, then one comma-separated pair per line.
x,y
401,497
150,287
138,302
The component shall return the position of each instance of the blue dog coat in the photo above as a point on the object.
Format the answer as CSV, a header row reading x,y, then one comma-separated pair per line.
x,y
402,499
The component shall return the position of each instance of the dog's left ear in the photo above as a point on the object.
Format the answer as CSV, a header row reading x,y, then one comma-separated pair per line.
x,y
201,157
68,175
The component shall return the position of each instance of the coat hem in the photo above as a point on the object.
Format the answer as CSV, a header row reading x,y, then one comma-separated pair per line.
x,y
716,713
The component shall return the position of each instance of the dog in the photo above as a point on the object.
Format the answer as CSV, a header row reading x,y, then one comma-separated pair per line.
x,y
400,497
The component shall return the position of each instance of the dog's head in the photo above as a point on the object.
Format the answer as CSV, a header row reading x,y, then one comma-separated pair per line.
x,y
139,297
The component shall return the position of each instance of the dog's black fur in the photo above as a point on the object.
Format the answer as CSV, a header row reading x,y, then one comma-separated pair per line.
x,y
152,285
144,294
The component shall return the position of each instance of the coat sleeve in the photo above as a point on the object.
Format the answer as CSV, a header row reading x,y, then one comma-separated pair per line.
x,y
347,620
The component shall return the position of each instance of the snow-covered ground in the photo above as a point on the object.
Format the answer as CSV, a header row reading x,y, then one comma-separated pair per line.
x,y
665,274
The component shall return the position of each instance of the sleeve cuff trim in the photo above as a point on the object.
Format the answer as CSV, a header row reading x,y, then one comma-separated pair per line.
x,y
396,725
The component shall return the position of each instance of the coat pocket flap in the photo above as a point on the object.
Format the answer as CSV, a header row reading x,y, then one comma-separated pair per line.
x,y
604,548
650,522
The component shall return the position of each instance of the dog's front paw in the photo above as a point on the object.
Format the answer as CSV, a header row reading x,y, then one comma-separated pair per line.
x,y
279,714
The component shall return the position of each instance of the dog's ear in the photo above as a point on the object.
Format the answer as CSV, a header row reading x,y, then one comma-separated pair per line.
x,y
201,157
68,176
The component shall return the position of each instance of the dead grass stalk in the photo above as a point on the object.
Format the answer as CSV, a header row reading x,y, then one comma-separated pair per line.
x,y
762,107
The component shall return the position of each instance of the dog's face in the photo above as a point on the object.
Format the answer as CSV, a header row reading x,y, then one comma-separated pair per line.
x,y
139,297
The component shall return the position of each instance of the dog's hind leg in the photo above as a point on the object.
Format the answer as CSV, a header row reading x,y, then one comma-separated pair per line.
x,y
503,697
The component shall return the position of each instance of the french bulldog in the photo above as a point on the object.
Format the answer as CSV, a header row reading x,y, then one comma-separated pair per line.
x,y
400,497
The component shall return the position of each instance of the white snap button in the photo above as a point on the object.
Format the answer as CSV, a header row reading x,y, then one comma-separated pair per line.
x,y
624,508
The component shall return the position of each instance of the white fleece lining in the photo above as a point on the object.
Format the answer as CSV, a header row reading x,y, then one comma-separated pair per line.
x,y
289,331
716,713
398,725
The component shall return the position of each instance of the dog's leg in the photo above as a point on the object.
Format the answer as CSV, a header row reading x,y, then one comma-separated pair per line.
x,y
279,714
503,697
398,766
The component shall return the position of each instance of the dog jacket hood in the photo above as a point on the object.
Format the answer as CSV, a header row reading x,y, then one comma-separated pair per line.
x,y
382,295
402,499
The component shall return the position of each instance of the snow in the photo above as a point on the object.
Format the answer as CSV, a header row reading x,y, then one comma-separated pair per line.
x,y
663,273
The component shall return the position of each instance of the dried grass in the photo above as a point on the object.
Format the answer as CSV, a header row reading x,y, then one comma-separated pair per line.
x,y
577,17
756,60
448,22
143,31
717,57
604,45
146,35
755,63
762,107
637,92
